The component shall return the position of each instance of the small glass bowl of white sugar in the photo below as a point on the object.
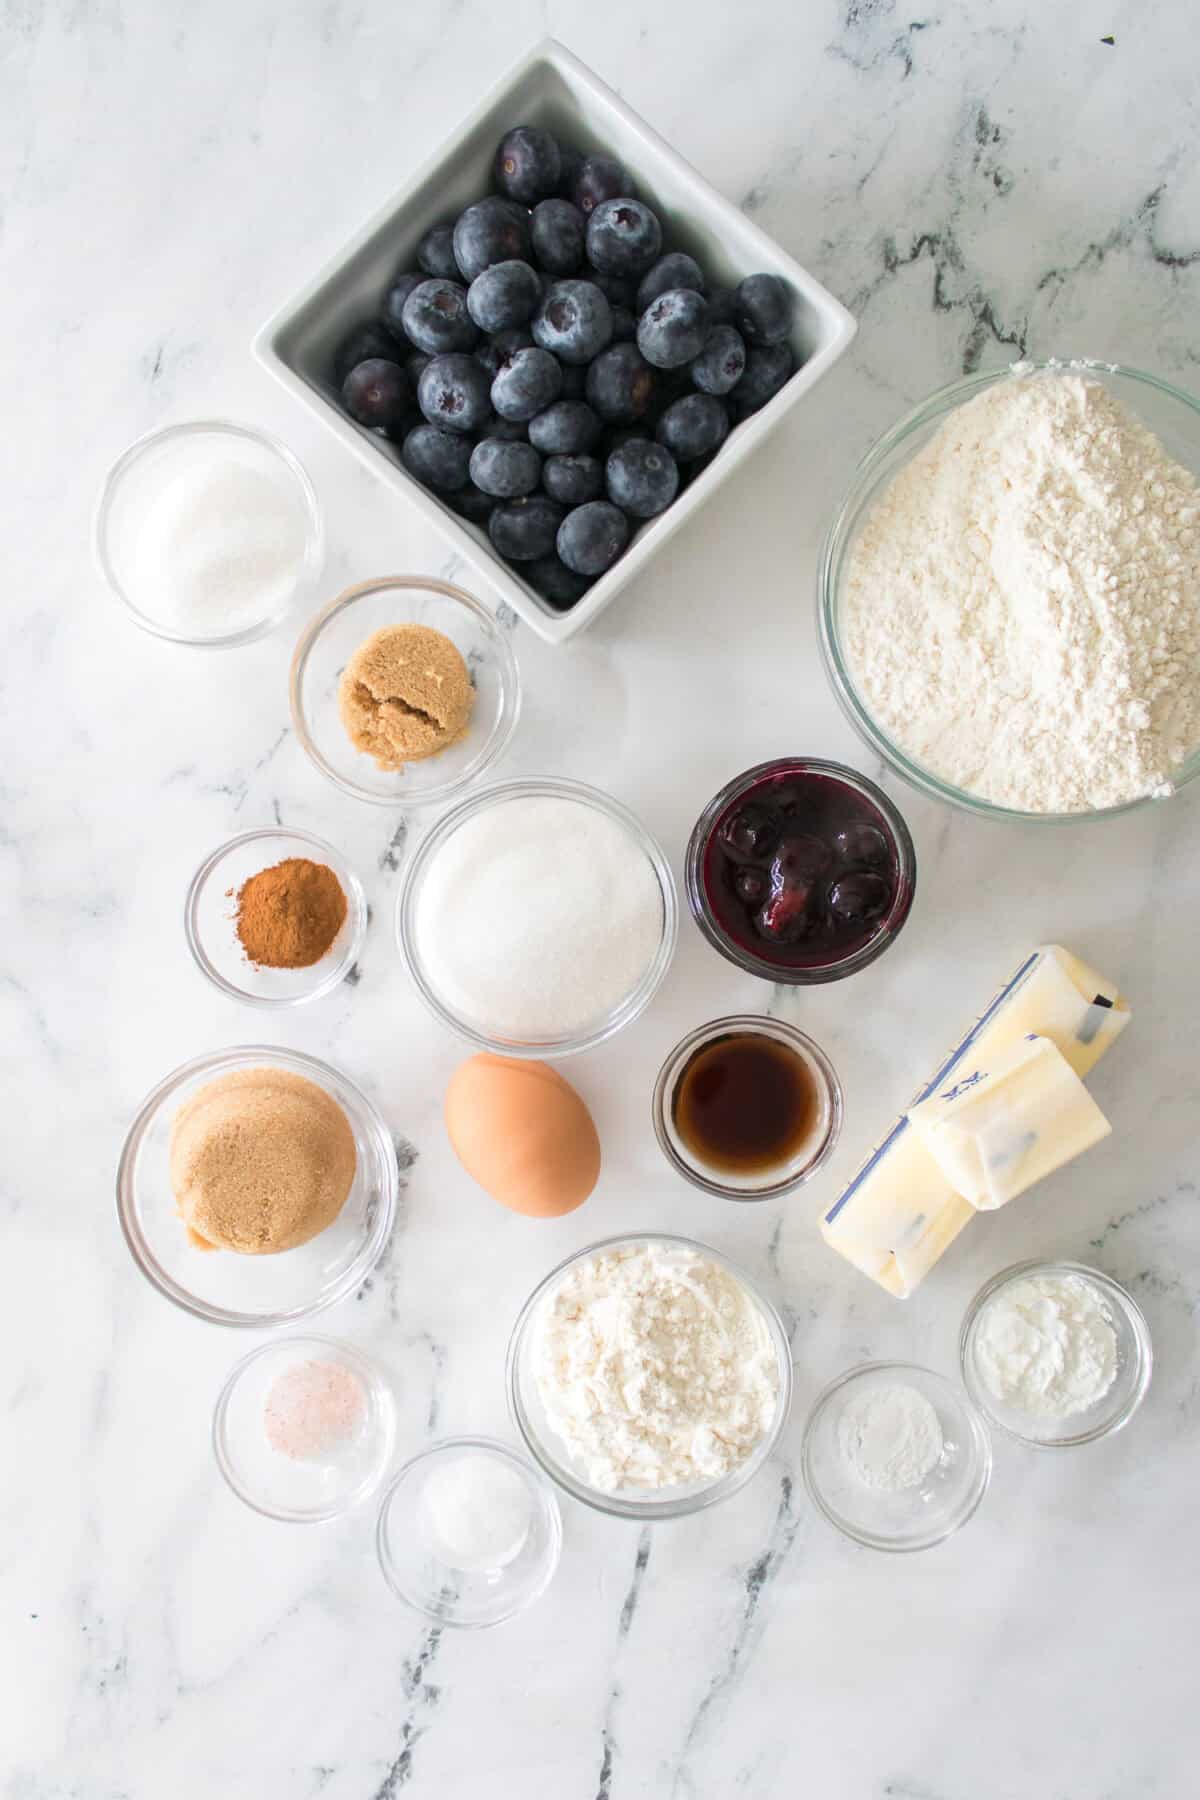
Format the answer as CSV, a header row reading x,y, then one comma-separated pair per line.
x,y
537,918
209,532
1055,1354
895,1456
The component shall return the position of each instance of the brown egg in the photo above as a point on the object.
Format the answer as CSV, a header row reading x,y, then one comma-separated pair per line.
x,y
524,1134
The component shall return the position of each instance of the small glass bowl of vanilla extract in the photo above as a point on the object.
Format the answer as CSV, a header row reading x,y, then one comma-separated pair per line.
x,y
747,1107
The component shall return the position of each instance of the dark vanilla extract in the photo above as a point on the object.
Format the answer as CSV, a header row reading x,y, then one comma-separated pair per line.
x,y
745,1104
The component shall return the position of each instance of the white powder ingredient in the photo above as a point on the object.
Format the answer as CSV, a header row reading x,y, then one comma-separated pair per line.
x,y
476,1510
538,917
655,1368
1022,610
218,544
890,1436
1047,1347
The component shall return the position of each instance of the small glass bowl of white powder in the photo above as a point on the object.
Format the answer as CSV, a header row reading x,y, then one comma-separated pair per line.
x,y
1055,1353
537,918
649,1376
210,533
895,1456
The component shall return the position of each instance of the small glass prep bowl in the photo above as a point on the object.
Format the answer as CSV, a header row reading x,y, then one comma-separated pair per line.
x,y
743,955
255,1291
634,1002
210,919
128,494
423,1573
311,1489
763,1184
914,1518
1135,1361
335,634
1171,414
529,1415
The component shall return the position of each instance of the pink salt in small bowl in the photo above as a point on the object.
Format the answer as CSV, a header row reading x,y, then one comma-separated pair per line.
x,y
304,1428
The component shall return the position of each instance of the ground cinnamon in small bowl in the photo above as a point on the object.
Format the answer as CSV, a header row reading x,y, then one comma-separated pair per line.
x,y
288,916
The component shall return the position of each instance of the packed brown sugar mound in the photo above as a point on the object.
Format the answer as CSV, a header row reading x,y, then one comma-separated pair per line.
x,y
405,695
261,1160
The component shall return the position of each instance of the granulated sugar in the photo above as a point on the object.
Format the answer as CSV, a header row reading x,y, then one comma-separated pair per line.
x,y
537,918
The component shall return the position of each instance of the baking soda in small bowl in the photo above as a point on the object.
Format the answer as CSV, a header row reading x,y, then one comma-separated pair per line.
x,y
208,532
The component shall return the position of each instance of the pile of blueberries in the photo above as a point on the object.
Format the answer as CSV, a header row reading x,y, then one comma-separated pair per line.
x,y
551,374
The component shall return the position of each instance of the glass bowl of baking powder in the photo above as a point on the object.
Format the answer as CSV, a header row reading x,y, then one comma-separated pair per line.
x,y
1021,750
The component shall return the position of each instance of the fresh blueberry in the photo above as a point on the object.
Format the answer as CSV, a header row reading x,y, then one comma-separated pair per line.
x,y
558,229
509,431
574,321
435,252
767,368
860,843
572,162
455,393
496,350
568,428
505,470
722,302
618,290
574,385
528,164
559,586
472,504
524,529
439,459
675,270
600,178
416,363
750,834
506,295
860,899
673,328
762,309
623,237
591,538
620,385
526,384
363,344
641,478
436,317
378,393
624,325
394,299
614,436
573,480
721,363
693,426
493,230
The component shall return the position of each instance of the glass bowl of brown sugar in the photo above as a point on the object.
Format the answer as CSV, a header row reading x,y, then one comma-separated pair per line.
x,y
275,917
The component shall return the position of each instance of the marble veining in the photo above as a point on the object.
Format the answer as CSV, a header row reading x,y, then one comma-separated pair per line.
x,y
978,182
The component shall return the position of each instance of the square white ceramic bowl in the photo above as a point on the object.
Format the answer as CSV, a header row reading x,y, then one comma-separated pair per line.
x,y
551,88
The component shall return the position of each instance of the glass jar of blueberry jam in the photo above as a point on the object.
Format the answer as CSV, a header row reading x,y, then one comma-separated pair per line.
x,y
800,871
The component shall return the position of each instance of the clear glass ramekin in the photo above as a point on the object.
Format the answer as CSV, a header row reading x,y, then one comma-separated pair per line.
x,y
547,1450
120,493
209,919
767,1184
1135,1362
331,638
1171,414
634,1002
743,957
254,1291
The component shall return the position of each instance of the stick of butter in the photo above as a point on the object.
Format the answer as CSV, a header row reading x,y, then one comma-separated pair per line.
x,y
997,1128
900,1211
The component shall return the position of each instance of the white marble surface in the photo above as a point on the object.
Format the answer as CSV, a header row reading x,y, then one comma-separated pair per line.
x,y
972,180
